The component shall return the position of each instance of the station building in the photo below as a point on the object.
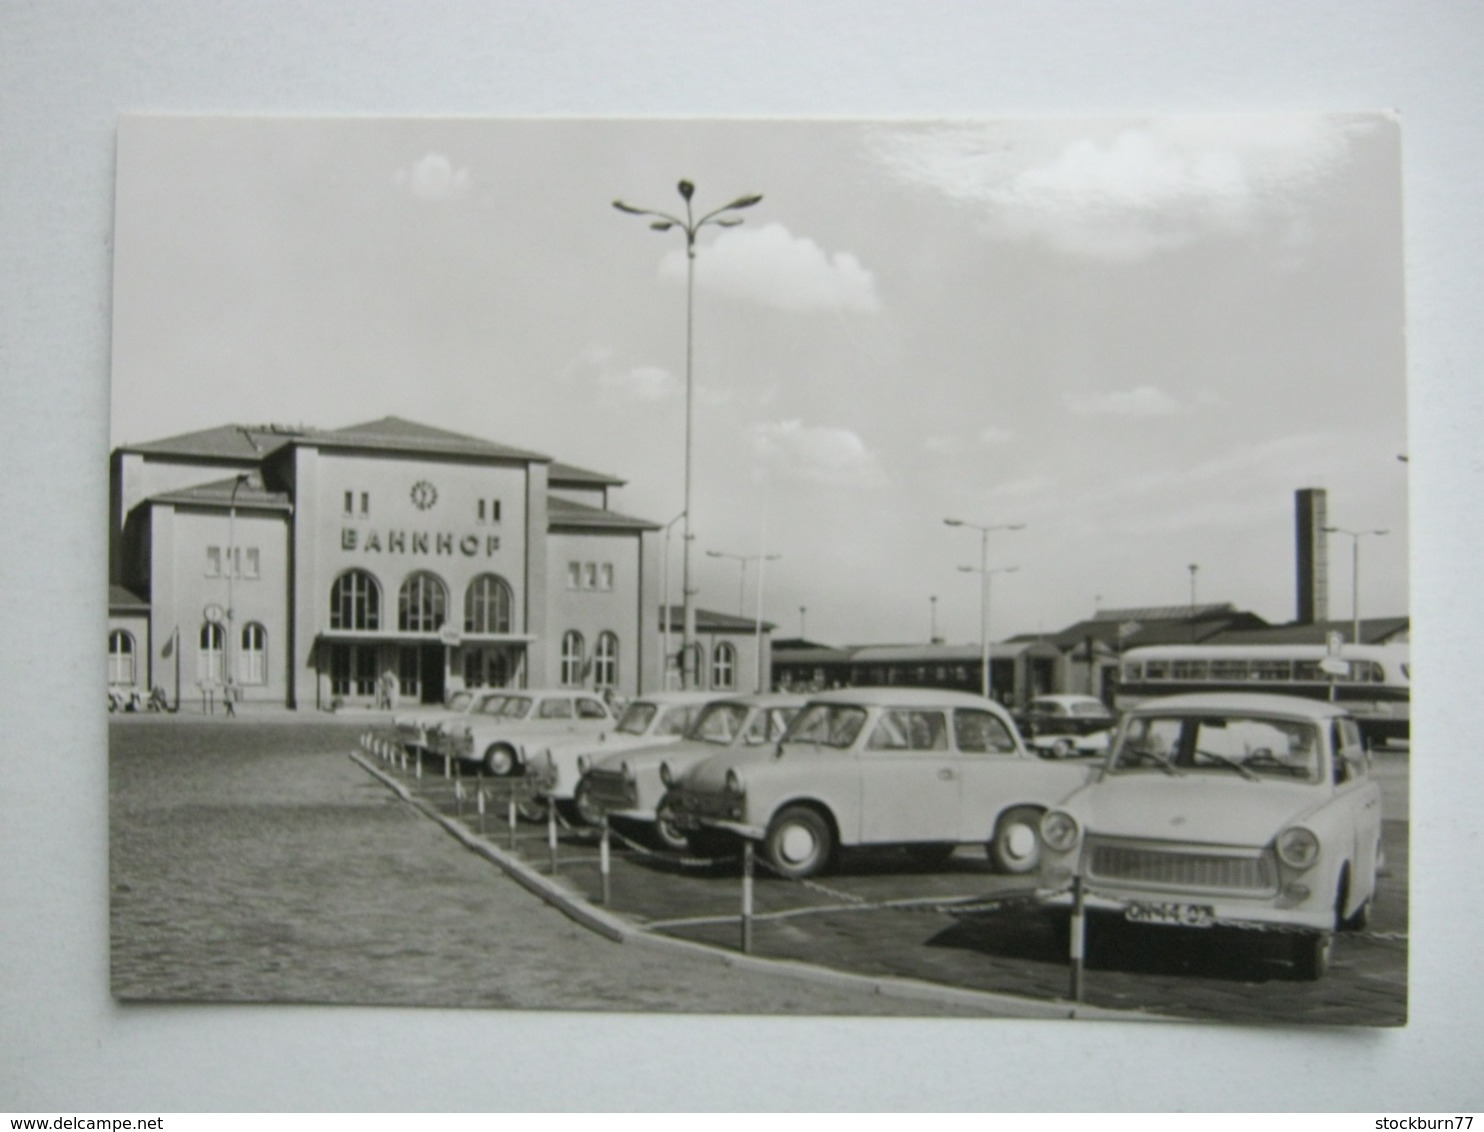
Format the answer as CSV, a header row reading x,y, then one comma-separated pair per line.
x,y
306,566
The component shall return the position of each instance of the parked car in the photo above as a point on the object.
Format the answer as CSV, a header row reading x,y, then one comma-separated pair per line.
x,y
924,768
1065,724
500,736
630,785
1227,810
415,728
659,718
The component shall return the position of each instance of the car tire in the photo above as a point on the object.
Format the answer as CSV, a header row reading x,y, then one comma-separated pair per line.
x,y
534,810
1311,952
931,854
1015,848
500,760
1358,920
1063,748
583,809
799,843
668,836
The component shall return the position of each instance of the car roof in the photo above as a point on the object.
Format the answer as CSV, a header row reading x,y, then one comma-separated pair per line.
x,y
687,697
1256,702
895,696
1067,698
767,699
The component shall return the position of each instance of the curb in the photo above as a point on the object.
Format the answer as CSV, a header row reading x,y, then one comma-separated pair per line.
x,y
618,930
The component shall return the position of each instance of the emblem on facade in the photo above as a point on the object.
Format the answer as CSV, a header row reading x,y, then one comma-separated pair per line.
x,y
424,495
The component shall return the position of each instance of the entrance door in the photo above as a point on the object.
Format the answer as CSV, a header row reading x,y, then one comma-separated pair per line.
x,y
430,664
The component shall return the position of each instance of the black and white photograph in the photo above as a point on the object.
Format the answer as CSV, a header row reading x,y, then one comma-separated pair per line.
x,y
948,568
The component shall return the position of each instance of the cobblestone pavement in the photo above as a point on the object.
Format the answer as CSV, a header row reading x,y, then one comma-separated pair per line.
x,y
252,861
962,925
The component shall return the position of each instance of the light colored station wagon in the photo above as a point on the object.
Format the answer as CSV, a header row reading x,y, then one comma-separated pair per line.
x,y
415,728
924,768
630,785
500,738
1227,809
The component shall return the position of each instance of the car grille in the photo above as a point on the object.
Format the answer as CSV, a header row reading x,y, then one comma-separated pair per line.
x,y
610,789
1176,866
704,805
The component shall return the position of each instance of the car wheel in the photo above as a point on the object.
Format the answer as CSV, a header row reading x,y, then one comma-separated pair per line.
x,y
930,853
1015,847
667,835
500,761
1311,954
533,809
1358,920
799,843
1063,748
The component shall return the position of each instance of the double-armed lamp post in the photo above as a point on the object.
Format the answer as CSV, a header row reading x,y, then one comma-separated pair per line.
x,y
761,560
690,225
985,573
1355,537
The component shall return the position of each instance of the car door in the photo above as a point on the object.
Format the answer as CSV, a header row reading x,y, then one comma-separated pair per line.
x,y
909,778
996,772
1359,795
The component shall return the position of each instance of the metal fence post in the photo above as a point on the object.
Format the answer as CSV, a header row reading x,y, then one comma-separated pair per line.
x,y
479,795
603,859
551,840
510,813
747,897
1078,937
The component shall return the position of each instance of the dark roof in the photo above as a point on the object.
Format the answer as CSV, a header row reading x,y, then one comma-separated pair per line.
x,y
1166,612
219,493
393,434
120,598
226,442
568,475
709,621
1373,631
567,513
797,643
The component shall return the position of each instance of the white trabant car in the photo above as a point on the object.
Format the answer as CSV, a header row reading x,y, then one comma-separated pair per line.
x,y
630,785
1227,809
659,718
921,767
1062,724
503,737
414,729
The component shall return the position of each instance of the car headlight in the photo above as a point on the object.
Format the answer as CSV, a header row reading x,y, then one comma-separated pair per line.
x,y
667,776
627,772
1060,831
1297,847
582,764
734,781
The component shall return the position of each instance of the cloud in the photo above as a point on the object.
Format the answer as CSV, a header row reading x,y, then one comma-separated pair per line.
x,y
993,435
770,265
1131,192
642,383
1145,401
820,454
433,177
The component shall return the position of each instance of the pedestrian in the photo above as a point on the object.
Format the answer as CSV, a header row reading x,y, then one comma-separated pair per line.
x,y
229,698
389,690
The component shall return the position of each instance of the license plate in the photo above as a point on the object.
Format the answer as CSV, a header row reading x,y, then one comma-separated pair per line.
x,y
1181,915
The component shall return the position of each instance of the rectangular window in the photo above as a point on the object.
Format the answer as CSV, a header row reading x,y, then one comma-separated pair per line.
x,y
574,575
250,569
213,562
350,506
590,576
1189,669
479,511
606,576
365,504
494,510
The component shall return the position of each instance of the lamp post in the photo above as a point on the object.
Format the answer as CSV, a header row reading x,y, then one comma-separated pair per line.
x,y
663,222
231,565
761,560
665,607
1355,537
984,570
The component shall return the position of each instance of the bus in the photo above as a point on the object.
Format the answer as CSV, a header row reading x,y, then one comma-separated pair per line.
x,y
1374,682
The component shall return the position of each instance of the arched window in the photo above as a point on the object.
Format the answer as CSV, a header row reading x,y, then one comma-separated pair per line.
x,y
572,658
355,601
422,604
252,660
120,657
209,655
724,666
487,604
605,661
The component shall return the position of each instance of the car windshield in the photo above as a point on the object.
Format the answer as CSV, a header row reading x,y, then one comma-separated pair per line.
x,y
516,707
720,723
1089,709
491,705
827,725
459,701
1237,746
636,719
768,726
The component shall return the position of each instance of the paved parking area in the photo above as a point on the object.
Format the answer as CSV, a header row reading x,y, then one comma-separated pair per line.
x,y
959,925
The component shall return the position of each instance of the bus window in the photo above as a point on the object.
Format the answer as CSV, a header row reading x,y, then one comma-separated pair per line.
x,y
1190,670
1272,670
1156,670
1308,670
1228,669
1132,672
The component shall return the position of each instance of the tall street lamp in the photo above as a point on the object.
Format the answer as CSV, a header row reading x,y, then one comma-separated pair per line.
x,y
1355,537
985,572
227,659
665,607
762,560
663,222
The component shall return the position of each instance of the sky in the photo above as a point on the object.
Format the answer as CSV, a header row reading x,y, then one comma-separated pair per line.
x,y
1135,339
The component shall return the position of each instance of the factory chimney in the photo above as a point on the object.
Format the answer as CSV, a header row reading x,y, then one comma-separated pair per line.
x,y
1313,555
